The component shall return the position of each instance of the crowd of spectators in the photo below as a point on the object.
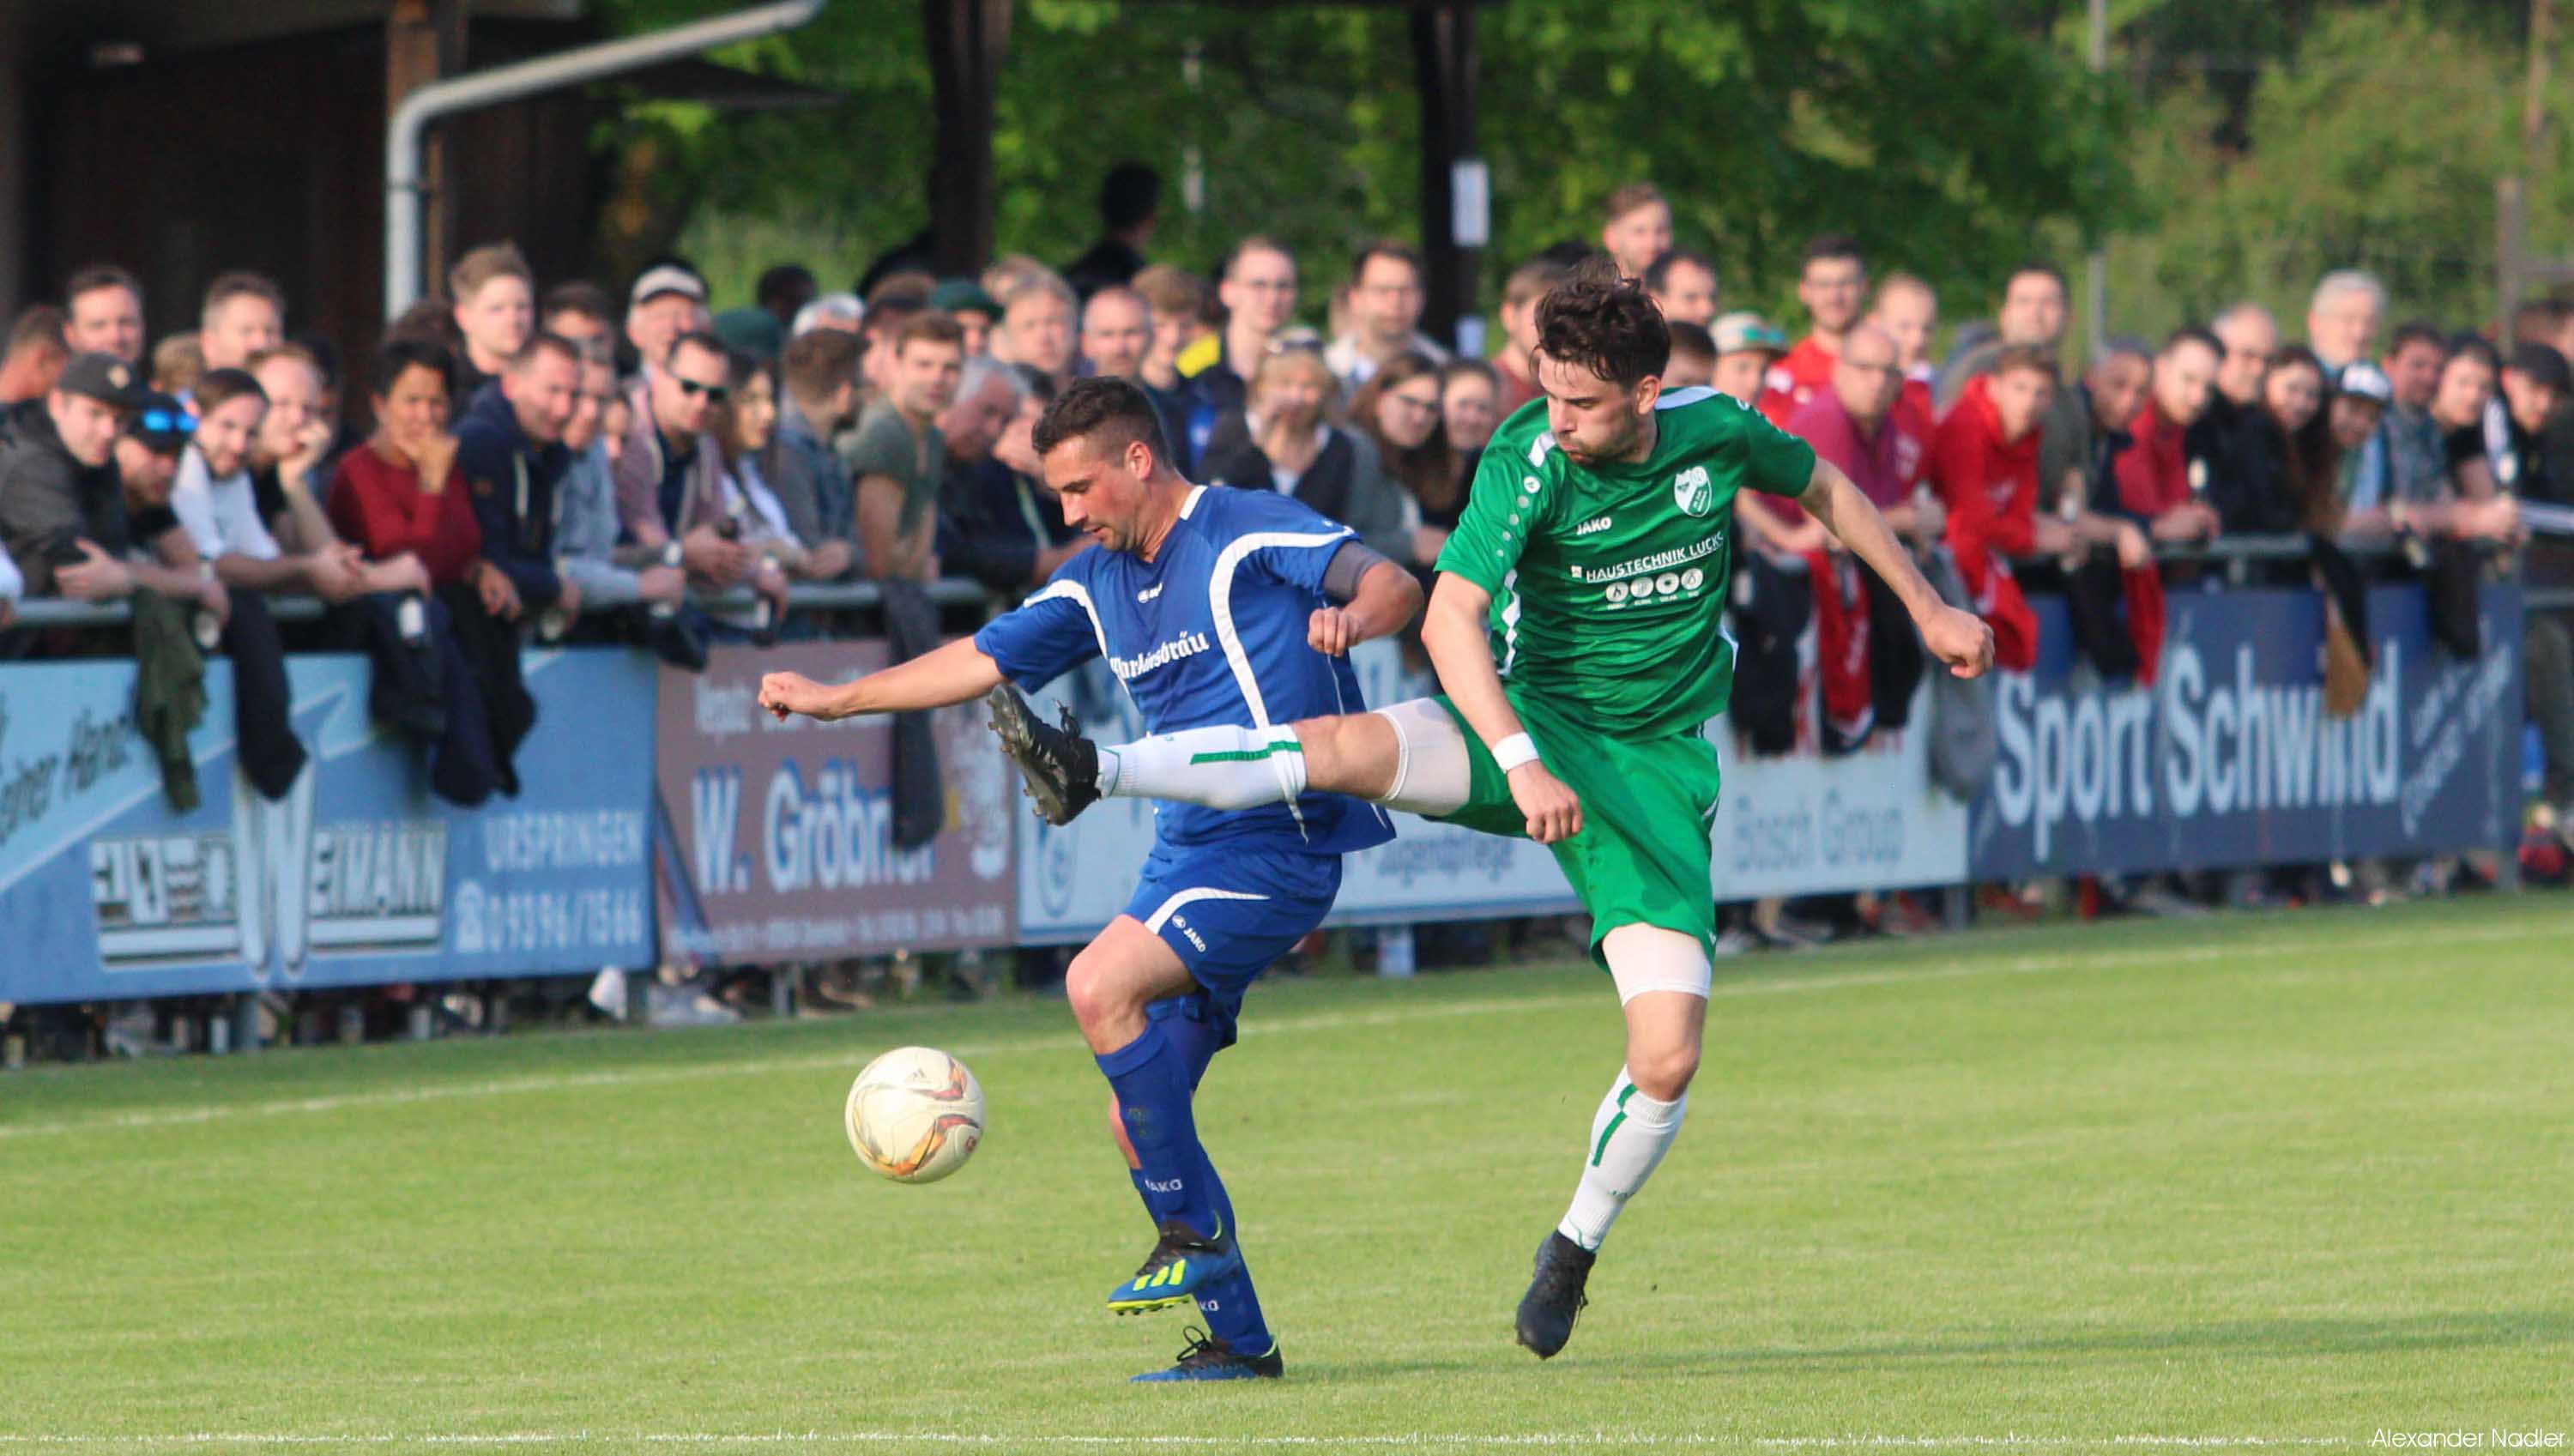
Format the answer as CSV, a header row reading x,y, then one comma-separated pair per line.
x,y
528,455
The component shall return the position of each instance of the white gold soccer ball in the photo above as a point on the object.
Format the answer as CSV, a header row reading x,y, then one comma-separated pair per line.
x,y
916,1114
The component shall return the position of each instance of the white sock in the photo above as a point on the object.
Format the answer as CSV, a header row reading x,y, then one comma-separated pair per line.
x,y
1629,1136
1220,767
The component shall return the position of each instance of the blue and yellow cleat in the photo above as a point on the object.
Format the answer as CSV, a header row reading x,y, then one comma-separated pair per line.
x,y
1208,1359
1182,1262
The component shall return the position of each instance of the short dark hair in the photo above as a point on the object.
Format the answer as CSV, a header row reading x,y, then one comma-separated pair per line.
x,y
929,327
217,388
1693,340
1129,195
542,343
2538,321
405,352
786,280
903,286
820,361
2126,346
1832,246
1531,281
1035,383
2473,346
2026,355
39,325
706,339
2417,331
885,317
1103,406
1658,274
2191,334
102,275
581,296
1604,324
2042,269
1392,247
230,285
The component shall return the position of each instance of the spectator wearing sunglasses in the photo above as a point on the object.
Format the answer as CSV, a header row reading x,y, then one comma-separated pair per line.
x,y
64,518
669,475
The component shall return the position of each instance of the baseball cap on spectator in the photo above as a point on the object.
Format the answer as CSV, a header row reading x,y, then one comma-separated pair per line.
x,y
753,330
668,278
1737,332
104,378
2542,366
161,424
965,295
2368,382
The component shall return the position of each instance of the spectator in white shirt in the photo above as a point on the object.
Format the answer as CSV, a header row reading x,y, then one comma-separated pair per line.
x,y
216,503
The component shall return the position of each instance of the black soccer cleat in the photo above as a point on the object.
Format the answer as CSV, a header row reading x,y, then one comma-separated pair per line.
x,y
1058,765
1555,1296
1205,1357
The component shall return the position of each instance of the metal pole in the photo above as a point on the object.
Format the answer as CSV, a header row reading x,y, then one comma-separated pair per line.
x,y
2095,268
546,73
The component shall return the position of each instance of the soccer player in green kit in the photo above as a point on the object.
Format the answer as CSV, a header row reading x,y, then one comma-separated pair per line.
x,y
1577,630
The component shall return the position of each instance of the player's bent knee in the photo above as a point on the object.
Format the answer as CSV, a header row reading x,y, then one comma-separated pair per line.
x,y
1663,1074
1348,753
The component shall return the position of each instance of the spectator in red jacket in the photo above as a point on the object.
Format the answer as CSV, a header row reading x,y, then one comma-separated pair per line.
x,y
1983,464
1833,289
403,491
2159,485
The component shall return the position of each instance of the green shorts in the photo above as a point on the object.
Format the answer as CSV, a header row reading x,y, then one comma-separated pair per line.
x,y
1645,854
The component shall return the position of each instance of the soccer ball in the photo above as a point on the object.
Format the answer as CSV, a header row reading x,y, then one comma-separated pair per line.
x,y
916,1114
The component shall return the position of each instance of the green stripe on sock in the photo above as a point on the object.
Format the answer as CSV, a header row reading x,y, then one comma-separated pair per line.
x,y
1245,756
1611,1130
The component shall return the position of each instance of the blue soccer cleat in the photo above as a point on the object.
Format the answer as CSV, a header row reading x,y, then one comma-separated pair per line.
x,y
1182,1262
1207,1358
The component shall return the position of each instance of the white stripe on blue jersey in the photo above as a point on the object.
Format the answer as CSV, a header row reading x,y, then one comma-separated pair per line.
x,y
1212,631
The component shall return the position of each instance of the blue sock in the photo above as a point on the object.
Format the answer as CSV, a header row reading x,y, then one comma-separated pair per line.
x,y
1230,1304
1152,1085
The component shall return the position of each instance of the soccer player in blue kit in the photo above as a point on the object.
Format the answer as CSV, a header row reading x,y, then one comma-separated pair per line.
x,y
1214,606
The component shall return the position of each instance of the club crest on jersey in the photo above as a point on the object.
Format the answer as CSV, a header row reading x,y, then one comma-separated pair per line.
x,y
1692,492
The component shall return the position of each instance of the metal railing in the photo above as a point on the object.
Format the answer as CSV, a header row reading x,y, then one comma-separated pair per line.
x,y
296,607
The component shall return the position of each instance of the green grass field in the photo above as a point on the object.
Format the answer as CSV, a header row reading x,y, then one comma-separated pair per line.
x,y
2288,1179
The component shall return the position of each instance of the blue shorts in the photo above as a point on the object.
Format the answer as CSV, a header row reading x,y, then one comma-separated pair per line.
x,y
1228,912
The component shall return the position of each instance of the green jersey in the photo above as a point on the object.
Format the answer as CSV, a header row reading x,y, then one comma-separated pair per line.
x,y
1609,580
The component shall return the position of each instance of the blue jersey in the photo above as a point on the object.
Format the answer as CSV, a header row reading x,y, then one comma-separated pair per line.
x,y
1210,632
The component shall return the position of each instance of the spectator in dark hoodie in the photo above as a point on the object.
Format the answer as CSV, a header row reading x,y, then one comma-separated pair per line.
x,y
509,445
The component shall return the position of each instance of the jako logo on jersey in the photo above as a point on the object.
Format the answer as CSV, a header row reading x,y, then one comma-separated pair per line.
x,y
1149,592
1692,491
1186,645
1593,526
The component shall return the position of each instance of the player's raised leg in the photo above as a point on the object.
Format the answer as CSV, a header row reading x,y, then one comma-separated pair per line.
x,y
1663,979
1410,755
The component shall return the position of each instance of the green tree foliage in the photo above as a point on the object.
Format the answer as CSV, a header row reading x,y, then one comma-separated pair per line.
x,y
2376,143
1950,136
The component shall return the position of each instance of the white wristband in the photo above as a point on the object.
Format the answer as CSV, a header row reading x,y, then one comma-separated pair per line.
x,y
1514,751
